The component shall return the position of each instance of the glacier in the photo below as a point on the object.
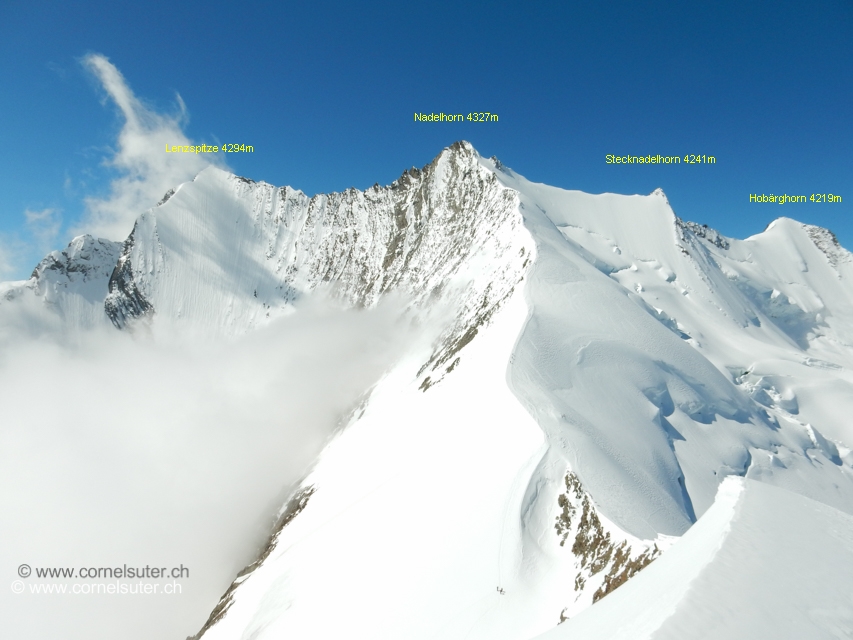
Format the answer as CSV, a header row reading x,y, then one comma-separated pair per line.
x,y
600,369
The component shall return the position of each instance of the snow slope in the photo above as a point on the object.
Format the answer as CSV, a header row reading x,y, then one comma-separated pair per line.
x,y
749,568
601,367
627,300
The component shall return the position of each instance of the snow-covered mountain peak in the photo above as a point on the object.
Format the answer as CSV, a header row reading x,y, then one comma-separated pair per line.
x,y
84,259
69,285
660,194
617,333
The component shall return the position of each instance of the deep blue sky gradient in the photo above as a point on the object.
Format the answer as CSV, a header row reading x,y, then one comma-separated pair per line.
x,y
326,92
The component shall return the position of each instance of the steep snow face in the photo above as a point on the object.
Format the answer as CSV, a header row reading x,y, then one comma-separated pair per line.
x,y
749,568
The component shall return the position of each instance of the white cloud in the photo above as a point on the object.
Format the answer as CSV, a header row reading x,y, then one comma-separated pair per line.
x,y
6,261
145,170
44,226
12,251
165,449
145,173
19,251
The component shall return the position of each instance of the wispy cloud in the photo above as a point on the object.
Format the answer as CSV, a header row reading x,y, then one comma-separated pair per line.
x,y
21,249
14,251
145,170
144,173
11,253
44,226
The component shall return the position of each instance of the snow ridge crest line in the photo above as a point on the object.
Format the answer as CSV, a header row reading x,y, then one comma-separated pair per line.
x,y
640,613
717,524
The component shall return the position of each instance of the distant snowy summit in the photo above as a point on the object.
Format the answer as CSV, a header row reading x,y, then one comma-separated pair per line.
x,y
602,367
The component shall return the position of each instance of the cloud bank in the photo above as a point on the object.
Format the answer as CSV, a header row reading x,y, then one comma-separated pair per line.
x,y
163,450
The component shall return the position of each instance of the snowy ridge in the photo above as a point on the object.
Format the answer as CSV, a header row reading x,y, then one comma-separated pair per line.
x,y
826,241
621,300
602,368
753,549
424,235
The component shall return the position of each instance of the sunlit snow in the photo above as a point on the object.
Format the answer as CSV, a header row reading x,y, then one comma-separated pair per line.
x,y
562,393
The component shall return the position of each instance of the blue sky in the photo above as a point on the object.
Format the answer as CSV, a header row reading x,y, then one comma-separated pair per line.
x,y
325,92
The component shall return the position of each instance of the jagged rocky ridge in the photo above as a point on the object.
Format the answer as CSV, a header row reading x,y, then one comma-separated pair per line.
x,y
293,508
125,303
417,235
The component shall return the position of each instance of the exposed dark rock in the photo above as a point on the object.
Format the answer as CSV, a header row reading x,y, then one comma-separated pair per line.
x,y
623,568
166,197
703,231
826,241
125,302
593,545
295,506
